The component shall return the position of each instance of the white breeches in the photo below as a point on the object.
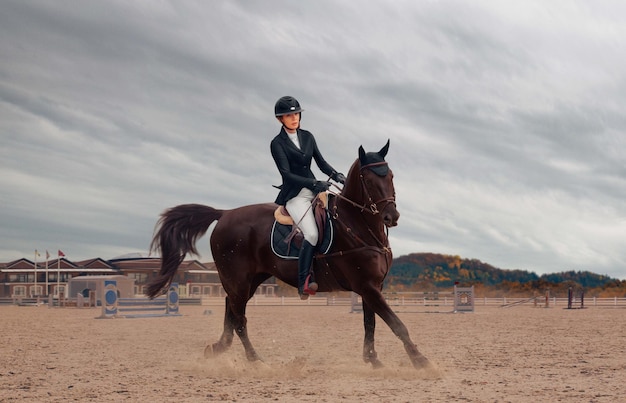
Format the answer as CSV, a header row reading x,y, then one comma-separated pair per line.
x,y
301,212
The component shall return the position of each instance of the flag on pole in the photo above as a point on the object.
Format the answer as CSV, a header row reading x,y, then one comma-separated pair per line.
x,y
47,257
59,274
34,290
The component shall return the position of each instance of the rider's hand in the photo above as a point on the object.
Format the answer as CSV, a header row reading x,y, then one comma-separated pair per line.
x,y
341,178
321,186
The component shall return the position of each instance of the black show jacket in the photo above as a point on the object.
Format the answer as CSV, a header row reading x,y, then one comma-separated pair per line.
x,y
294,164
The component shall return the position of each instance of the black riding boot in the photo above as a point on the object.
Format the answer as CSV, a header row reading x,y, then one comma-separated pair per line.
x,y
304,269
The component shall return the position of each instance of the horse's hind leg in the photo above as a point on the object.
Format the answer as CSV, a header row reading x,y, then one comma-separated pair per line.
x,y
234,321
239,322
239,297
226,340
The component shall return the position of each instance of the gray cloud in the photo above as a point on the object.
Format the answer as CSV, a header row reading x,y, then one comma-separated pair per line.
x,y
505,119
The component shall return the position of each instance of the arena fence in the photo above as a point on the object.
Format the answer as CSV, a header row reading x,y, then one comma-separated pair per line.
x,y
460,300
333,300
443,302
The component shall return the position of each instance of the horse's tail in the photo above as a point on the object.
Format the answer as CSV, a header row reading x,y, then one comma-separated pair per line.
x,y
175,236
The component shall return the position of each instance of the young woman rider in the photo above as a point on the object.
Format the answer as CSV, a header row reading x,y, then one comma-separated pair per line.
x,y
293,149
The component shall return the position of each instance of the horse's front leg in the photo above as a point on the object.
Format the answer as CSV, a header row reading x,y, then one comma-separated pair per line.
x,y
369,322
374,298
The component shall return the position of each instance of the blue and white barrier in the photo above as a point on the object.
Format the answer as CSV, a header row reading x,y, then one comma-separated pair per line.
x,y
115,307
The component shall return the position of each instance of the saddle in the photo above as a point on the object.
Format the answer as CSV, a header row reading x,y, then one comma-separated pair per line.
x,y
286,238
282,215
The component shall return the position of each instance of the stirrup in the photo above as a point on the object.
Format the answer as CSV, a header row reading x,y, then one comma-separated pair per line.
x,y
310,288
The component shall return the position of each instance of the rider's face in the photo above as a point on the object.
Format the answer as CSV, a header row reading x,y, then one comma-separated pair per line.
x,y
291,121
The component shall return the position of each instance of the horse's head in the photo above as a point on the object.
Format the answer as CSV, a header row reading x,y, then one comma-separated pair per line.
x,y
377,192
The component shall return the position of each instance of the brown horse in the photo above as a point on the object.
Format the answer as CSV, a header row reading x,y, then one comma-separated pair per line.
x,y
358,261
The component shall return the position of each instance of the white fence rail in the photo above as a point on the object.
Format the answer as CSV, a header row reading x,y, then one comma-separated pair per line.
x,y
448,300
394,300
284,301
429,301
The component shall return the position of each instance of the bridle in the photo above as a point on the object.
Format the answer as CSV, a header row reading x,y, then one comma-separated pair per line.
x,y
371,206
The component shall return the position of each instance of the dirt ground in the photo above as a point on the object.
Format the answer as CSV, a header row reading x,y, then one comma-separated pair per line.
x,y
311,354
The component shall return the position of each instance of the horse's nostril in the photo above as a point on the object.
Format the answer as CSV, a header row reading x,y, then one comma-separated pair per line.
x,y
390,217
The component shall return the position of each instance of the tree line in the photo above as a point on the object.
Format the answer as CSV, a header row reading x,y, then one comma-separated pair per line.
x,y
431,271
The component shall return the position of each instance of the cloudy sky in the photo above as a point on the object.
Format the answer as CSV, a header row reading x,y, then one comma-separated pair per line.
x,y
506,119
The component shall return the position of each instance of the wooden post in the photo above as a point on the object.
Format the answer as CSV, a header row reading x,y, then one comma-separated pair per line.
x,y
570,295
582,299
92,298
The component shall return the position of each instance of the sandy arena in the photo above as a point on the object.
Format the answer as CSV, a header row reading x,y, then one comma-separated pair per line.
x,y
313,354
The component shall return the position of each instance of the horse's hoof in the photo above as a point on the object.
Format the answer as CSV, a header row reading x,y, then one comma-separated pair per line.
x,y
377,364
430,371
422,362
253,357
260,364
208,351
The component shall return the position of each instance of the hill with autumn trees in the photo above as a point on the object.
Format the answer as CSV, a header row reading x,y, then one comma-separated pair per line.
x,y
431,271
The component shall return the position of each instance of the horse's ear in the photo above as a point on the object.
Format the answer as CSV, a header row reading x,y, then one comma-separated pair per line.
x,y
383,151
362,156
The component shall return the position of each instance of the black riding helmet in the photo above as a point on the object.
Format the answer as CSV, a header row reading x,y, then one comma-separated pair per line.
x,y
286,105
